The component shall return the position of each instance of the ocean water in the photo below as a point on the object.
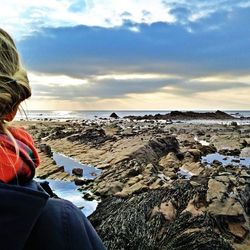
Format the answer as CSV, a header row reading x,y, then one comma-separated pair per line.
x,y
97,114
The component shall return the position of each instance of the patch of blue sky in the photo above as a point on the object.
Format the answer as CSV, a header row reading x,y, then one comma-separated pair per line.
x,y
77,6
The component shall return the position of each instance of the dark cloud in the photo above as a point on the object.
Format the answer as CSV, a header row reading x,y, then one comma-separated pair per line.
x,y
181,14
126,14
110,88
160,47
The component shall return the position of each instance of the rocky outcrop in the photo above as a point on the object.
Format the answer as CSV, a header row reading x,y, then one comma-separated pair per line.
x,y
184,215
90,136
189,115
136,168
114,115
159,219
158,191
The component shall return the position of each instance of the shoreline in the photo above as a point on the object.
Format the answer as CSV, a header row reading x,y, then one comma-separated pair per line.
x,y
102,115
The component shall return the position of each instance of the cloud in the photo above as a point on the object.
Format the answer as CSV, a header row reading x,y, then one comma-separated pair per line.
x,y
106,86
145,91
196,10
105,50
35,15
124,85
157,48
114,63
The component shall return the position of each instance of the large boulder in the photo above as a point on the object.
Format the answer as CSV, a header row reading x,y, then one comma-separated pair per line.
x,y
114,115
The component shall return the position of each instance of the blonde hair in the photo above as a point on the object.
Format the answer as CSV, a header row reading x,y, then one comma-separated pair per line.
x,y
14,83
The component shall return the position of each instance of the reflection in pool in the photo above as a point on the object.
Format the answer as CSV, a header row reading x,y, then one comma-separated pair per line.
x,y
68,191
89,172
226,160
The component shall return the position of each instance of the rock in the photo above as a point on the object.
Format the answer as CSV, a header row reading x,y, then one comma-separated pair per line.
x,y
229,208
238,230
110,189
189,115
236,160
169,161
49,171
114,115
244,143
195,168
234,124
104,166
245,152
244,174
137,187
216,190
133,180
46,149
157,184
167,209
170,174
145,152
77,171
162,145
195,154
135,171
207,149
79,182
88,197
180,156
153,219
90,136
222,178
230,152
193,209
216,163
32,126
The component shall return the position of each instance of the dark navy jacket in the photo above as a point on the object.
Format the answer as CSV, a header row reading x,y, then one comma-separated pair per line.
x,y
30,220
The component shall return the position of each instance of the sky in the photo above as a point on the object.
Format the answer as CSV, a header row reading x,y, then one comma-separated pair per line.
x,y
133,54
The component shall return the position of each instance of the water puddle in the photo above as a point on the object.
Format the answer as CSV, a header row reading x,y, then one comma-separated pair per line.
x,y
226,160
68,191
202,142
185,173
89,172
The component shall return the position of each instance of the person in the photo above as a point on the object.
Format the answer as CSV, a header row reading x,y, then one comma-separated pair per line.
x,y
29,218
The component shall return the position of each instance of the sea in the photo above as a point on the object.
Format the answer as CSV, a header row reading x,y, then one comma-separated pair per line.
x,y
105,114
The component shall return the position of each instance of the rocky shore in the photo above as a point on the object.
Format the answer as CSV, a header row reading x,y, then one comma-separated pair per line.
x,y
157,188
188,115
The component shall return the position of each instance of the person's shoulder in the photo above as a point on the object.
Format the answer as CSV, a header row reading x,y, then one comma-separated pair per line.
x,y
63,208
76,226
56,209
